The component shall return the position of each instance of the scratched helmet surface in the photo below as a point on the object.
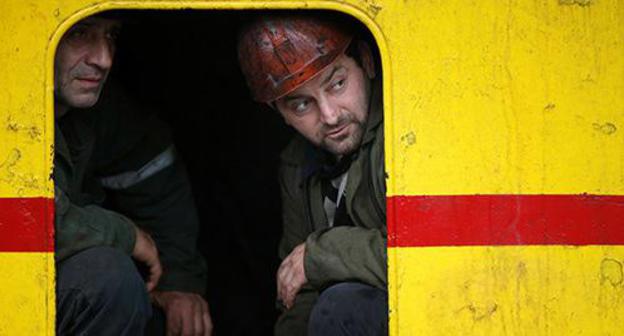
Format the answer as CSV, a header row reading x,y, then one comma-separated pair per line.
x,y
279,53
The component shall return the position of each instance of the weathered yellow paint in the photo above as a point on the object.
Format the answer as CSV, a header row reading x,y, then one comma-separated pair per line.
x,y
480,97
30,31
506,97
25,152
26,294
510,290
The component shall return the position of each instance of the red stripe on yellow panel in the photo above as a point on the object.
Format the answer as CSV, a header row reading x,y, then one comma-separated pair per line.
x,y
26,225
505,220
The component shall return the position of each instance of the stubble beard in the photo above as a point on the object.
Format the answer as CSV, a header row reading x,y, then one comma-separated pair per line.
x,y
71,95
349,144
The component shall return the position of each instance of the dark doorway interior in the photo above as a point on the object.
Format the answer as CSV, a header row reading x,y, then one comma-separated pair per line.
x,y
183,64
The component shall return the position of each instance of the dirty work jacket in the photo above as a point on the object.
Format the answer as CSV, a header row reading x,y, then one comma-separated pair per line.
x,y
337,254
114,168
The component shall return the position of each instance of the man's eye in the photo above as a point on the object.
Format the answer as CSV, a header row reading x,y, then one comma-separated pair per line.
x,y
77,33
300,106
112,35
339,84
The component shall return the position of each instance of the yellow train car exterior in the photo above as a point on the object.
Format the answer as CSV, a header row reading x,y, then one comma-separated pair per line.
x,y
504,129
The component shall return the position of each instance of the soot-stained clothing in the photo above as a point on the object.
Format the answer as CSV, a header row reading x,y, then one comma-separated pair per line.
x,y
355,251
115,168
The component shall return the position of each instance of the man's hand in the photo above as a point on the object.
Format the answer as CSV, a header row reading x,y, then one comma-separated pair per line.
x,y
291,276
187,313
145,251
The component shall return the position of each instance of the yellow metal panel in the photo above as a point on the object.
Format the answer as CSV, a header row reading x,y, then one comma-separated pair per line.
x,y
27,294
30,31
509,290
500,97
25,154
481,97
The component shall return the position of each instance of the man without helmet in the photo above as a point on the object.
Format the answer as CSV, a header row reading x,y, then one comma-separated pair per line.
x,y
112,154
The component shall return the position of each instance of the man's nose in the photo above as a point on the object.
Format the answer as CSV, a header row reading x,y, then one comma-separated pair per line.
x,y
101,53
329,111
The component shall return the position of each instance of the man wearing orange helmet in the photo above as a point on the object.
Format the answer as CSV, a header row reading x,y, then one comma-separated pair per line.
x,y
321,78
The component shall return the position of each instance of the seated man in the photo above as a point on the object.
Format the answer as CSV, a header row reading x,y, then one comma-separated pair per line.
x,y
117,186
321,78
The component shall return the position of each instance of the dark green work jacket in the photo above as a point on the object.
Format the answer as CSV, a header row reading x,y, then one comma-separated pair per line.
x,y
334,254
114,169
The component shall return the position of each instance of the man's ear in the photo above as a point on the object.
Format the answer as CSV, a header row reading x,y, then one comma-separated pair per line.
x,y
366,56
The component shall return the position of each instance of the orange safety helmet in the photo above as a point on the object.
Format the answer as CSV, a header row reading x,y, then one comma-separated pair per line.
x,y
279,53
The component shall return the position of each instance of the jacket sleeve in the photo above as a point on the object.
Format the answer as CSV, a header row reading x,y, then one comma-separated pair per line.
x,y
358,253
163,206
79,228
346,254
333,254
135,145
294,230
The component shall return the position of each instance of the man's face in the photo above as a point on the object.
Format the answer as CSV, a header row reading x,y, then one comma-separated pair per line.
x,y
331,110
83,60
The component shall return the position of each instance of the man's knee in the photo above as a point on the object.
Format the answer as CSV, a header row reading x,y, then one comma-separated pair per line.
x,y
350,309
101,282
104,274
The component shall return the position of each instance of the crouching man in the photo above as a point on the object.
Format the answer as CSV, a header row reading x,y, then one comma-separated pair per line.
x,y
121,200
321,77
